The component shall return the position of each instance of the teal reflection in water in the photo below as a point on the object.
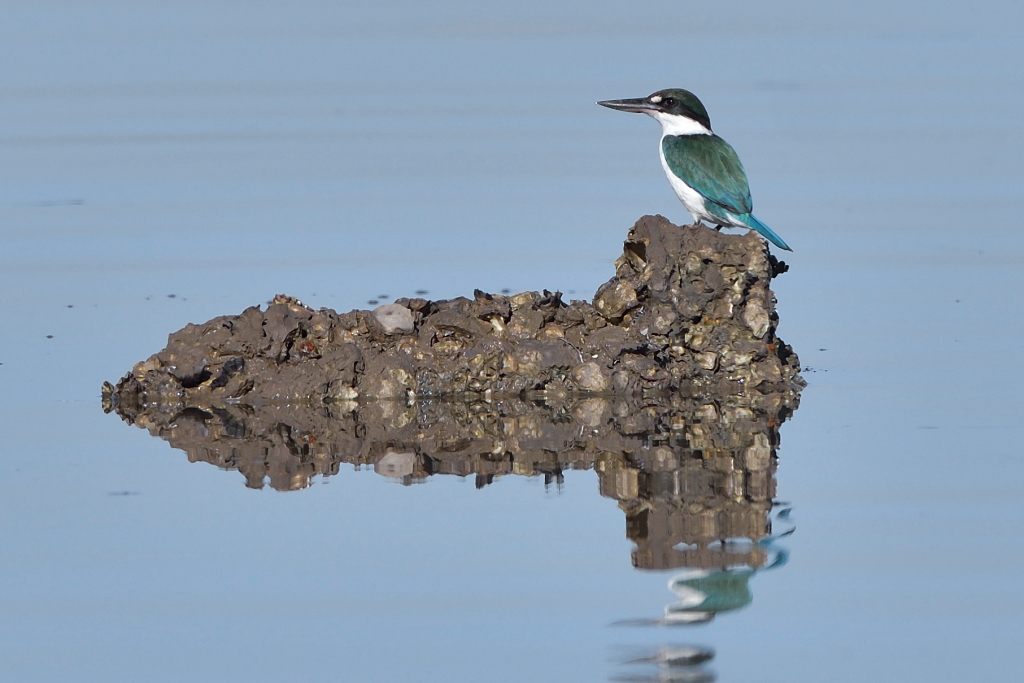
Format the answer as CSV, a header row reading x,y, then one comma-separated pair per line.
x,y
704,592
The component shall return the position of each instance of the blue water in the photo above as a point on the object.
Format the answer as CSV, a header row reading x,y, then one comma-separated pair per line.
x,y
222,154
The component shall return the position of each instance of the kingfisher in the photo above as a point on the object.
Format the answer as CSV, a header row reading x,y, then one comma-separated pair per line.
x,y
702,168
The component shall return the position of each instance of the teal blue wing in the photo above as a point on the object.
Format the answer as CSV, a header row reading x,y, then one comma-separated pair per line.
x,y
708,164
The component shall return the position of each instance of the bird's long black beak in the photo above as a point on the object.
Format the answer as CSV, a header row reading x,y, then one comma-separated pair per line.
x,y
640,105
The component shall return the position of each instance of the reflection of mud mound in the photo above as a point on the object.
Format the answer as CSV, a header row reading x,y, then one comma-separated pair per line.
x,y
685,470
688,309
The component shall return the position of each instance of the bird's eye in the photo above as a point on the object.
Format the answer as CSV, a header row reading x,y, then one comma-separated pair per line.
x,y
669,101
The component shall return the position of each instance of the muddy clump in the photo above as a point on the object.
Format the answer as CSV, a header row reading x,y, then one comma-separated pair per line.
x,y
671,385
688,310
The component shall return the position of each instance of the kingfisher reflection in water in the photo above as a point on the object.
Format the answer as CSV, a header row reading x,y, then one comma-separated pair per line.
x,y
669,664
701,594
705,592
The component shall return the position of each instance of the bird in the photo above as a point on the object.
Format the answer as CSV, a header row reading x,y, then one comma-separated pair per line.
x,y
702,168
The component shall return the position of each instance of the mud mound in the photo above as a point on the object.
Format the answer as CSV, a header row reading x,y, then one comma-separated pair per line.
x,y
689,309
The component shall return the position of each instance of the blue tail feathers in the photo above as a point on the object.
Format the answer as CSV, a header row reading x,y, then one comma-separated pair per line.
x,y
760,227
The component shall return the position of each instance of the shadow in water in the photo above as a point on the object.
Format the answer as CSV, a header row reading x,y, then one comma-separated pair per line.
x,y
693,475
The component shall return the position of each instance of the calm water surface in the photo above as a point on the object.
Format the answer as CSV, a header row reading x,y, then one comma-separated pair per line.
x,y
167,166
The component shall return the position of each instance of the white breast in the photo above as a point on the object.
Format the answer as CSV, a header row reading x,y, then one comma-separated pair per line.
x,y
691,199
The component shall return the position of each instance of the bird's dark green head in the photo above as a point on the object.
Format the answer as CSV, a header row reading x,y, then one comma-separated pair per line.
x,y
673,101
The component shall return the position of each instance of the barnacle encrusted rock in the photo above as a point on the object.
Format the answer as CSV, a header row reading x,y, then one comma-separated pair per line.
x,y
689,309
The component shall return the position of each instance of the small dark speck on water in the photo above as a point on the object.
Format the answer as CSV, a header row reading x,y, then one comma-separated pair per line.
x,y
421,291
823,349
506,291
123,493
49,336
383,296
373,301
148,298
71,306
171,296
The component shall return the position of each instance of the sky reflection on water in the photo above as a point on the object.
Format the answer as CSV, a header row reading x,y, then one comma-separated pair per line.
x,y
223,154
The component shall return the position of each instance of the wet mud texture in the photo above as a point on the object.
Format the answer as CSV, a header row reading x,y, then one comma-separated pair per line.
x,y
689,473
689,309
